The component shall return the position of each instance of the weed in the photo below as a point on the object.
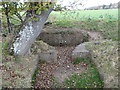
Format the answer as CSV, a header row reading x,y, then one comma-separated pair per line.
x,y
42,61
34,75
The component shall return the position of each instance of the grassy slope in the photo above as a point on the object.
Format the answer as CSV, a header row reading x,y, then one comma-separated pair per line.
x,y
89,20
105,56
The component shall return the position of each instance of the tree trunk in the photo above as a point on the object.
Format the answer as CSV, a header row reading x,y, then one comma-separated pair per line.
x,y
8,24
0,27
8,20
29,33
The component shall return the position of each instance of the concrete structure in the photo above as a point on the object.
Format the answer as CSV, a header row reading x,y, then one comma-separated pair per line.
x,y
81,52
49,56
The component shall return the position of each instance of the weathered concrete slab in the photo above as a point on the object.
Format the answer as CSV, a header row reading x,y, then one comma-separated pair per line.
x,y
44,51
81,52
49,56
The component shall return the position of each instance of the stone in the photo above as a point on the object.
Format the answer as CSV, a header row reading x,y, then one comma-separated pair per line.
x,y
81,52
44,51
49,56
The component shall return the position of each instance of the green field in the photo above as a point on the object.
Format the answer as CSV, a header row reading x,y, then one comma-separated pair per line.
x,y
86,14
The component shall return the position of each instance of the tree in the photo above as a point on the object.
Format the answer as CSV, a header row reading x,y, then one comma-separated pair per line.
x,y
36,16
110,5
6,8
104,6
11,11
58,7
31,26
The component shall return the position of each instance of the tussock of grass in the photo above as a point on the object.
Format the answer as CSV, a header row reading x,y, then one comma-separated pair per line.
x,y
88,79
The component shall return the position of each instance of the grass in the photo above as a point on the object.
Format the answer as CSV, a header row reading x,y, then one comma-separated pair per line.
x,y
108,29
34,75
104,21
88,79
79,60
0,61
105,56
86,14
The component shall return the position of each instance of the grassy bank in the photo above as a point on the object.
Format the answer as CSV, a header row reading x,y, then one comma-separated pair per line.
x,y
105,57
104,21
88,79
108,29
